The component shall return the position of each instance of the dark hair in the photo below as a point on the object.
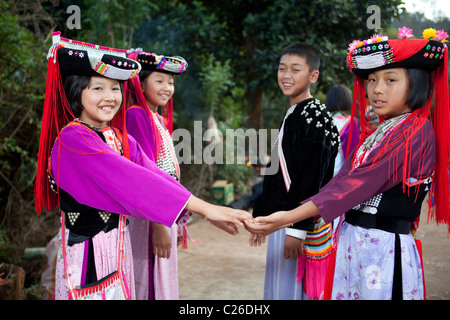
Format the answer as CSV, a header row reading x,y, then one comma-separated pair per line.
x,y
306,51
419,87
143,75
74,86
339,98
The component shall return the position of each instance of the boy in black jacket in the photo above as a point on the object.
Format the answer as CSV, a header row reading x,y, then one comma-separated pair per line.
x,y
307,145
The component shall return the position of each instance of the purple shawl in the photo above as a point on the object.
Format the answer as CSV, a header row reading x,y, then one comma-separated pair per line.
x,y
348,189
95,175
141,128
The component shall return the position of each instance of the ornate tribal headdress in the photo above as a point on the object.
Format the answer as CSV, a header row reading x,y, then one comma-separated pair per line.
x,y
71,57
431,54
153,62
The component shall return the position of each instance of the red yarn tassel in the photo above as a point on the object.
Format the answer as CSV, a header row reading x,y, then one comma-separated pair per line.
x,y
168,115
359,109
440,186
53,120
134,88
120,121
419,249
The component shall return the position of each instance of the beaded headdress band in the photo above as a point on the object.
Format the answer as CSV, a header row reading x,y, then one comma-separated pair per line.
x,y
154,62
379,52
82,58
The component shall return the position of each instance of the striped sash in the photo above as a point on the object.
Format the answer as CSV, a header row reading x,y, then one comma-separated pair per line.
x,y
283,165
318,243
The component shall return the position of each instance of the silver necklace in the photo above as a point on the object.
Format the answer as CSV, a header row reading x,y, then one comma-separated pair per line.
x,y
381,130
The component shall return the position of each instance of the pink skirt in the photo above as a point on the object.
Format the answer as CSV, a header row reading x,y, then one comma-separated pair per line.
x,y
105,253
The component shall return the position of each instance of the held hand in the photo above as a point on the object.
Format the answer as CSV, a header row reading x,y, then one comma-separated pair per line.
x,y
223,218
256,240
228,227
226,218
161,241
263,226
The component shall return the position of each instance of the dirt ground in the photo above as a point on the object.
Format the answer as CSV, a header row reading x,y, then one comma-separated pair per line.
x,y
225,267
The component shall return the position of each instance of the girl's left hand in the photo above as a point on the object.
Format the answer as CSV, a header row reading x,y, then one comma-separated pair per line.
x,y
162,242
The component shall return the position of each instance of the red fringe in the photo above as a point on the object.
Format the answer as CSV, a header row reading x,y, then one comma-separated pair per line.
x,y
168,115
419,248
54,118
328,288
440,186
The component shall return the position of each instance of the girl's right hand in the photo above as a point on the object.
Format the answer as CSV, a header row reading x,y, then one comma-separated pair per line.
x,y
224,218
162,243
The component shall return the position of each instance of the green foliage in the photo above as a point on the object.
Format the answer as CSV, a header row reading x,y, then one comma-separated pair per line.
x,y
7,249
238,174
113,22
22,82
22,87
251,33
216,78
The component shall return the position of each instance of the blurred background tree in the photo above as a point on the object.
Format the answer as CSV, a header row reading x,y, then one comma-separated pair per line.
x,y
232,48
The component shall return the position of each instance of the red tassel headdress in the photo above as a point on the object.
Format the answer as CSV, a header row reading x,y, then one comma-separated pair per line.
x,y
431,54
71,57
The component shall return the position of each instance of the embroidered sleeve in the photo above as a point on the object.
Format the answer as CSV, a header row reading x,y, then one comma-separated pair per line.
x,y
351,188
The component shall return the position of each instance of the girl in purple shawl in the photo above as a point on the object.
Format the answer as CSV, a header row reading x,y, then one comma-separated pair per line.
x,y
155,245
100,173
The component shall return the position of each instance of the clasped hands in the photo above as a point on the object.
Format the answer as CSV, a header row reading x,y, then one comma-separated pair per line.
x,y
228,219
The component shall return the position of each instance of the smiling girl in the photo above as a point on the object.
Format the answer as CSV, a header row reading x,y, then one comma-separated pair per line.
x,y
155,245
101,100
99,175
382,184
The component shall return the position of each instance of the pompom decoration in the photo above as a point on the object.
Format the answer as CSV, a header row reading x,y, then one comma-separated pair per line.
x,y
376,38
352,46
429,33
405,33
441,35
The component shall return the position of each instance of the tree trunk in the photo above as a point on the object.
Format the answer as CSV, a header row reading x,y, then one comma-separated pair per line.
x,y
254,100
